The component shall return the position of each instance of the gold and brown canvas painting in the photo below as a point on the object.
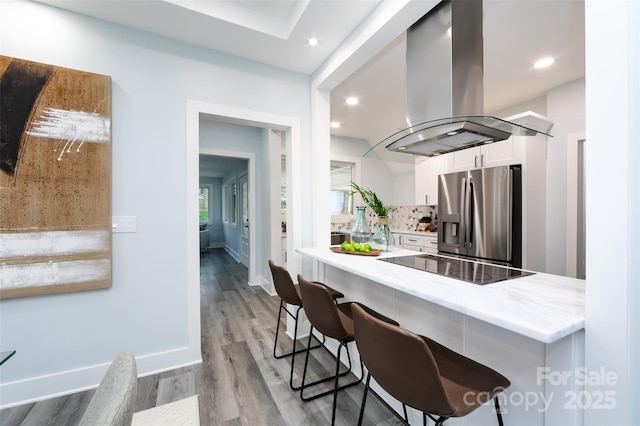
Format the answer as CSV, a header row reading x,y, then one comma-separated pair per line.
x,y
55,179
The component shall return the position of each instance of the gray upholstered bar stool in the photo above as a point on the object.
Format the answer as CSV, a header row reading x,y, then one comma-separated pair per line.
x,y
422,373
332,320
289,293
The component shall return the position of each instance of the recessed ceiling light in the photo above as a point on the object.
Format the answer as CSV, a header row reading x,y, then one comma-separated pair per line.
x,y
313,42
335,124
352,100
544,62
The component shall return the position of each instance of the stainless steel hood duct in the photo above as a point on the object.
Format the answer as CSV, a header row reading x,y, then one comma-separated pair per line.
x,y
445,95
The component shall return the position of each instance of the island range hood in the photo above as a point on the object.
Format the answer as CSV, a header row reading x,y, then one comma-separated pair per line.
x,y
445,94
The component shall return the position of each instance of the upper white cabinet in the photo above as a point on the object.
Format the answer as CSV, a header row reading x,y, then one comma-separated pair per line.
x,y
491,155
426,175
503,153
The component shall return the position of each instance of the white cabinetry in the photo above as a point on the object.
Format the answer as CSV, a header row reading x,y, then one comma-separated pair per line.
x,y
492,155
431,243
426,179
413,242
427,243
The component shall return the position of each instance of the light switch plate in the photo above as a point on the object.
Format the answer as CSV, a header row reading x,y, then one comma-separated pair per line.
x,y
124,224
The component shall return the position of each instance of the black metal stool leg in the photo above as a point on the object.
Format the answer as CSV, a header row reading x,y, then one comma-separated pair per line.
x,y
498,412
335,384
306,362
441,421
364,399
275,342
293,352
295,317
326,379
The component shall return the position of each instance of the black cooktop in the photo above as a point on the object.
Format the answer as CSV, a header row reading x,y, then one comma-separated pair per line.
x,y
461,269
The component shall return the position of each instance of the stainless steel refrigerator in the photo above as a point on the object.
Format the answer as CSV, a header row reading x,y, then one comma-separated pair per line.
x,y
480,214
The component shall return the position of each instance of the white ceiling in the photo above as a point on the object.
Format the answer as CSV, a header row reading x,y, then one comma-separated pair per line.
x,y
273,32
516,33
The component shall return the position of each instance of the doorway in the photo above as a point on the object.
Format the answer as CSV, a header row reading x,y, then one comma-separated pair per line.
x,y
576,206
581,224
291,131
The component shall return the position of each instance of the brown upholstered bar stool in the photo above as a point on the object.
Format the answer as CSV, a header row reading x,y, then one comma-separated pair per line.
x,y
289,293
332,320
422,373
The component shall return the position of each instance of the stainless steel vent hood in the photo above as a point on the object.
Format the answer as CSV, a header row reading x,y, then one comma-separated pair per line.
x,y
445,95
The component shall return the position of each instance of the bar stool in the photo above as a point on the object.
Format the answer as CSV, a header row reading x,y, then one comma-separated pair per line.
x,y
332,320
422,373
289,293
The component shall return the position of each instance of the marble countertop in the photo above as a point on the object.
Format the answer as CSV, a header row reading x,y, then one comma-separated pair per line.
x,y
542,306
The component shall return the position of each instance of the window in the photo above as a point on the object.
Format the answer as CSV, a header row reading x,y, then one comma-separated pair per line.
x,y
204,197
229,204
341,178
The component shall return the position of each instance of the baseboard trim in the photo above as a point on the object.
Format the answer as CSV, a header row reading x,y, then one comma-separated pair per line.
x,y
266,285
40,388
232,253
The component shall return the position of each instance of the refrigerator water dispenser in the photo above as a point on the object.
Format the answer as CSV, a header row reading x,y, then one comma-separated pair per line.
x,y
450,229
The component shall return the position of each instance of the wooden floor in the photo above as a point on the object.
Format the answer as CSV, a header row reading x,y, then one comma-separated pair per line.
x,y
239,381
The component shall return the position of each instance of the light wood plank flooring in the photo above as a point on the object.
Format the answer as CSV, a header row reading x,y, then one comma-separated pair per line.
x,y
239,381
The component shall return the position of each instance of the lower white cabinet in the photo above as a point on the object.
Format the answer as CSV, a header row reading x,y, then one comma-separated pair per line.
x,y
431,243
427,243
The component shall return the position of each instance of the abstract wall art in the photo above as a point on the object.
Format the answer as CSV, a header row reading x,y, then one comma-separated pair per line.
x,y
55,179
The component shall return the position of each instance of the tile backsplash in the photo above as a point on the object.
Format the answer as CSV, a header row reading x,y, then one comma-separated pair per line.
x,y
401,218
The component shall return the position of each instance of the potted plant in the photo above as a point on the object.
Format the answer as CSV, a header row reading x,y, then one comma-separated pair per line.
x,y
382,237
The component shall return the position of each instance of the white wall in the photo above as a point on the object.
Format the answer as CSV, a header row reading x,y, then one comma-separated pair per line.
x,y
404,189
613,268
374,173
566,108
395,189
538,105
65,342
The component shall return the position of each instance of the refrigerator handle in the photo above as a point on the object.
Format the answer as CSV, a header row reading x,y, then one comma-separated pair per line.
x,y
467,211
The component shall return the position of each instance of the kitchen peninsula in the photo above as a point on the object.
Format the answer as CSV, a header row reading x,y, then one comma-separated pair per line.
x,y
531,328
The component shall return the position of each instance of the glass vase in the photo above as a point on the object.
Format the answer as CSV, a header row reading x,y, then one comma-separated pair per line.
x,y
361,232
383,238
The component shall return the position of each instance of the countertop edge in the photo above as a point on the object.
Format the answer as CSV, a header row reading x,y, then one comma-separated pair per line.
x,y
547,333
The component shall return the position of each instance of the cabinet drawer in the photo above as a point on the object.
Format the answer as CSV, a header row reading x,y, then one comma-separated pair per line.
x,y
431,244
413,247
415,240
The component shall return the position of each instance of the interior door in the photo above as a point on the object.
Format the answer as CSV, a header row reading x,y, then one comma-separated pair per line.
x,y
244,216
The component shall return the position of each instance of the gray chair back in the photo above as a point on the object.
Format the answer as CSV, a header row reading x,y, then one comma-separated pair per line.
x,y
114,400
